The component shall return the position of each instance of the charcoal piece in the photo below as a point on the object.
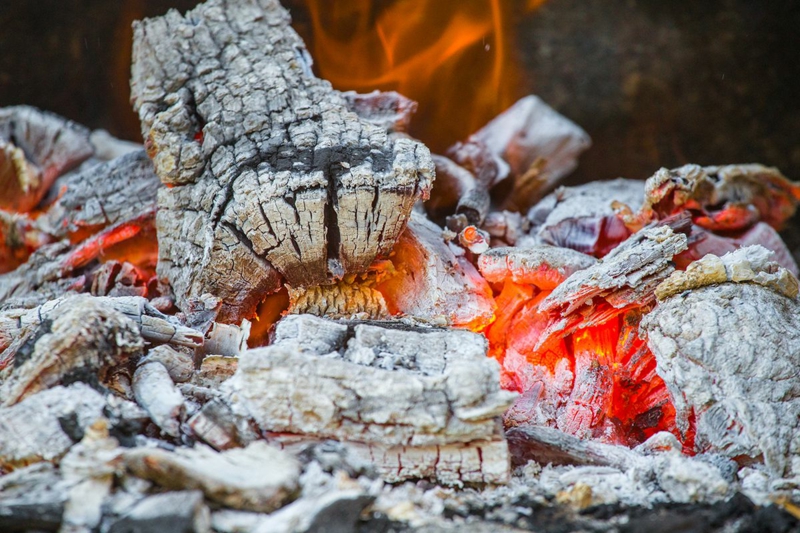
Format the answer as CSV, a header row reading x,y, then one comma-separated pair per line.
x,y
113,278
312,334
179,364
179,512
528,131
389,110
551,446
585,218
391,387
106,194
543,266
32,430
453,182
32,499
627,275
257,478
270,172
85,341
728,354
215,425
36,148
487,168
157,394
723,198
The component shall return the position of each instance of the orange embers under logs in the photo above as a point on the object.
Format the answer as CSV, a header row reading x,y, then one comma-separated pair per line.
x,y
593,378
456,58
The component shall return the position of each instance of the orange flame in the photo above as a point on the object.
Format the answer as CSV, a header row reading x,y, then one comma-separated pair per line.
x,y
454,57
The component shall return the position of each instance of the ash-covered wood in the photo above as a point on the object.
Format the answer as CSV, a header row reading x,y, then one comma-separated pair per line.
x,y
44,426
628,275
546,267
388,110
256,478
387,387
540,146
35,149
586,217
729,352
431,282
86,340
103,195
155,391
270,172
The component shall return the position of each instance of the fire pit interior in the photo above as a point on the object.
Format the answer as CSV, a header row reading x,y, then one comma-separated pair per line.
x,y
334,267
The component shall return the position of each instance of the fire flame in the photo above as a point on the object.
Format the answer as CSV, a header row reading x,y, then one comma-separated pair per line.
x,y
453,57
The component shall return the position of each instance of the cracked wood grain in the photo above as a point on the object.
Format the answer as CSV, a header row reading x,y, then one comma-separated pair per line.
x,y
269,171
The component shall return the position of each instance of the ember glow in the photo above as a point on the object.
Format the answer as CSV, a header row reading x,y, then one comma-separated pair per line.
x,y
455,58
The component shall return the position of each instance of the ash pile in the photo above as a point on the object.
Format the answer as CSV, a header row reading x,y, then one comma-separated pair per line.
x,y
270,317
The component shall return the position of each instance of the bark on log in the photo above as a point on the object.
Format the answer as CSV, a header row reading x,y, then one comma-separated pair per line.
x,y
269,169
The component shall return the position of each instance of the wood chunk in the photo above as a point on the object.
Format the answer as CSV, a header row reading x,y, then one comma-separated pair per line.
x,y
528,131
157,394
418,387
35,429
433,283
389,110
546,267
269,169
36,148
750,264
640,262
179,511
103,195
729,355
723,198
84,342
257,478
586,218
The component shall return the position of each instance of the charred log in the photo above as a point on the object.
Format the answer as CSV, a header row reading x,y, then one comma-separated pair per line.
x,y
269,171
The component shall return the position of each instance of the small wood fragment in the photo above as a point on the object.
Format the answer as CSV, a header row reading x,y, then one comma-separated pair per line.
x,y
257,478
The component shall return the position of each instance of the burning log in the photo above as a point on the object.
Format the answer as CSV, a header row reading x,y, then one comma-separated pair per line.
x,y
268,169
726,339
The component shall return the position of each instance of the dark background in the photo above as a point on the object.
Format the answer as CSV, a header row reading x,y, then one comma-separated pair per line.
x,y
655,83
